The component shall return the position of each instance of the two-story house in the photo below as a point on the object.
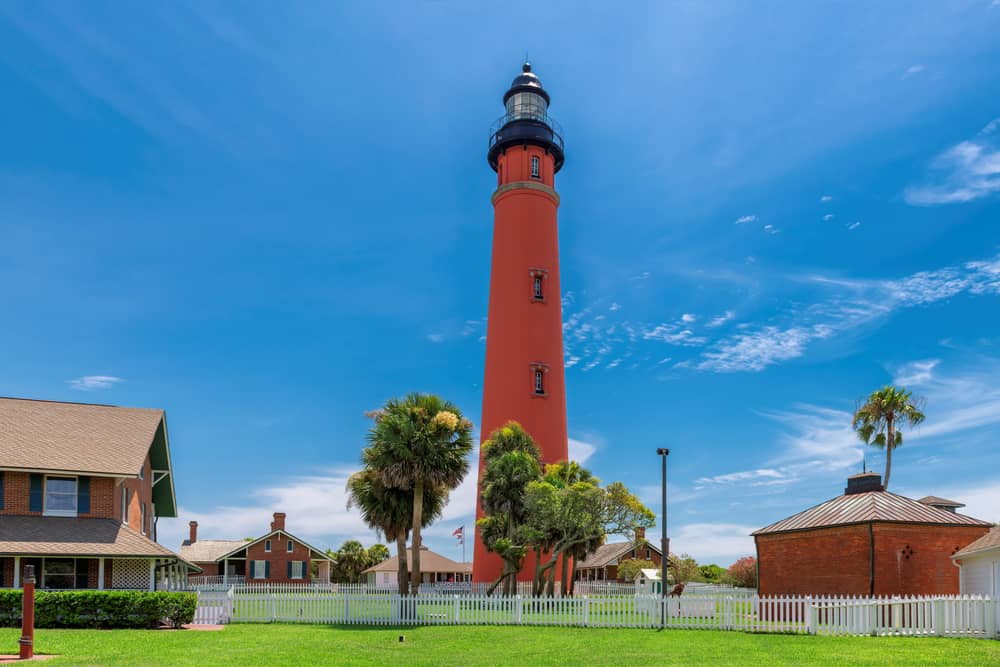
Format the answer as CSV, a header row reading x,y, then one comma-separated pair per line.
x,y
81,489
277,557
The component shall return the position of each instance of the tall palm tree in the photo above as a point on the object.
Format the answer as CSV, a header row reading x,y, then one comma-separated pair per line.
x,y
877,420
416,443
390,512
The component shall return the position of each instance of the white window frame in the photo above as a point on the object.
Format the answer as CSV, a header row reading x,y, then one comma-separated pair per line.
x,y
536,167
290,547
45,496
301,565
259,571
142,518
124,500
267,546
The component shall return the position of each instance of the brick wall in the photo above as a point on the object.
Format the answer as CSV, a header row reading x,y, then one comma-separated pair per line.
x,y
829,561
910,559
140,491
916,560
279,558
17,490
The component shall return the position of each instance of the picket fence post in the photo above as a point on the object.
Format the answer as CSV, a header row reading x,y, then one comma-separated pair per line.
x,y
586,610
810,616
517,610
991,618
457,609
939,616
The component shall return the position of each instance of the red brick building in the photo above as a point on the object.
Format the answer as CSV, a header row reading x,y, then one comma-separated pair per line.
x,y
865,542
81,488
602,565
277,557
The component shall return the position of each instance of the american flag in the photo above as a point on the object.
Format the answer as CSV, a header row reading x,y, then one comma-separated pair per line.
x,y
460,534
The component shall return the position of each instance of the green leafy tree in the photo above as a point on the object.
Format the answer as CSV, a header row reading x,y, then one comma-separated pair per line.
x,y
627,569
743,572
685,568
713,574
378,553
389,511
878,418
511,463
417,443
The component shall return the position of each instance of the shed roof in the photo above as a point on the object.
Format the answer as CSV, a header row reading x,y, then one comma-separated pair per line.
x,y
868,507
989,541
72,536
429,562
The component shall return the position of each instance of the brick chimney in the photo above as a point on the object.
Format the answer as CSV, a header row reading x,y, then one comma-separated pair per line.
x,y
279,521
193,525
640,534
863,483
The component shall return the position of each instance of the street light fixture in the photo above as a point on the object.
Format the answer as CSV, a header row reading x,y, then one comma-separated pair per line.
x,y
663,452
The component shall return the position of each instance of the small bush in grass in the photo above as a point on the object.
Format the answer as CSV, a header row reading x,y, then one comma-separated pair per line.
x,y
100,609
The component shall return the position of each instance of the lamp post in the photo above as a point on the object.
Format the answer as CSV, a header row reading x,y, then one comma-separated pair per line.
x,y
664,540
27,641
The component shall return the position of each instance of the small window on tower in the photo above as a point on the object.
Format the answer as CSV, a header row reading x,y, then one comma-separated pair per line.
x,y
539,382
535,166
537,288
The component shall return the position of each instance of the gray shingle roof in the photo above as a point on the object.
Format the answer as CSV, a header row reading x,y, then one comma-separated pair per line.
x,y
429,562
866,507
75,437
207,551
608,552
69,536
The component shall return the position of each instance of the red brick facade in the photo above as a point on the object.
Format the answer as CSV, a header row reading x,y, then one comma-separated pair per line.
x,y
909,559
279,558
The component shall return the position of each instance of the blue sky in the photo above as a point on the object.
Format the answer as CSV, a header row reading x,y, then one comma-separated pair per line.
x,y
269,219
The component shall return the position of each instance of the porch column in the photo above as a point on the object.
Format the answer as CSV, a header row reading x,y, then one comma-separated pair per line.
x,y
152,574
17,572
100,574
225,571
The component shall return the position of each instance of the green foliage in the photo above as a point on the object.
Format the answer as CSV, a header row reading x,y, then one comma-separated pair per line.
x,y
100,609
627,569
878,418
377,553
712,574
684,568
351,559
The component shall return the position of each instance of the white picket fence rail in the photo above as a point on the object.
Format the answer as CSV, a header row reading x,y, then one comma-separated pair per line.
x,y
952,616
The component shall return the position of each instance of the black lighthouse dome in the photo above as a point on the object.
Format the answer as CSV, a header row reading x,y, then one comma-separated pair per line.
x,y
526,120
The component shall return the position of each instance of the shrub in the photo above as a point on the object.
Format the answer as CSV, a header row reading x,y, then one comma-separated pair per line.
x,y
100,609
743,572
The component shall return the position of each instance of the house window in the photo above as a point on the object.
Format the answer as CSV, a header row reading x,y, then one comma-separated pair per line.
x,y
297,569
258,569
64,573
539,382
267,546
535,166
142,472
291,546
60,496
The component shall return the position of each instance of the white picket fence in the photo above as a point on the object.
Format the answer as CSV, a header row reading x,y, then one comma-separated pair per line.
x,y
952,616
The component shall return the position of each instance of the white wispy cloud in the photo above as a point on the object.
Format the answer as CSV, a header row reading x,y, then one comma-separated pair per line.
x,y
688,318
721,319
759,349
771,229
614,307
435,337
828,217
967,171
826,198
729,478
915,372
719,543
853,226
743,219
581,450
94,382
912,70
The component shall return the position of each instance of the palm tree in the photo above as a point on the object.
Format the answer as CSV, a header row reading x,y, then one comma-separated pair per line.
x,y
417,443
390,512
877,420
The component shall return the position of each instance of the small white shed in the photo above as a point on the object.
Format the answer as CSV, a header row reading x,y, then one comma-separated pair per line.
x,y
980,565
647,582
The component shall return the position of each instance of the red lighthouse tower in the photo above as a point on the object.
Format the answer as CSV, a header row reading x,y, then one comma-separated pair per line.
x,y
525,379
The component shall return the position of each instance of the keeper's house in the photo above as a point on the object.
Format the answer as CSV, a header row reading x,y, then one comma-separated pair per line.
x,y
276,557
866,542
81,489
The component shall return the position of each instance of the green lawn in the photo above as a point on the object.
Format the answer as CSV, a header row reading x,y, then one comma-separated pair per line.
x,y
295,645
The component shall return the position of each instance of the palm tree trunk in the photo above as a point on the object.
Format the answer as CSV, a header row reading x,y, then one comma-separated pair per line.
x,y
888,451
401,574
418,516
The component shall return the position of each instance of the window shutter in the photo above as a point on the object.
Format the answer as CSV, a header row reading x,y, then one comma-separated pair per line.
x,y
83,495
289,569
1,489
267,569
35,493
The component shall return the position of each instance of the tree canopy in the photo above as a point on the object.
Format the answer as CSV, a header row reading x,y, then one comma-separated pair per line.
x,y
878,418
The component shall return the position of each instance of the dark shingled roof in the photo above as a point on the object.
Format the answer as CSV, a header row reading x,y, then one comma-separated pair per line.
x,y
867,507
988,541
70,536
608,552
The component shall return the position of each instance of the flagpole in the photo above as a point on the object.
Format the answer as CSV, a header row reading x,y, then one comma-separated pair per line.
x,y
463,542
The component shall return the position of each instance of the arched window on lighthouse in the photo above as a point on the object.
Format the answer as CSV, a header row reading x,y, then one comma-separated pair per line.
x,y
535,167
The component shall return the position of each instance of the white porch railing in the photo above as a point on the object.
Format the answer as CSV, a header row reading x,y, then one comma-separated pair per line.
x,y
952,616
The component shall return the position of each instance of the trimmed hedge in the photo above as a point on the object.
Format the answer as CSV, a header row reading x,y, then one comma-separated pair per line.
x,y
100,609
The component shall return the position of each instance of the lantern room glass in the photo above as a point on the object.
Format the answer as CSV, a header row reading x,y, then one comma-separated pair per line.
x,y
526,105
